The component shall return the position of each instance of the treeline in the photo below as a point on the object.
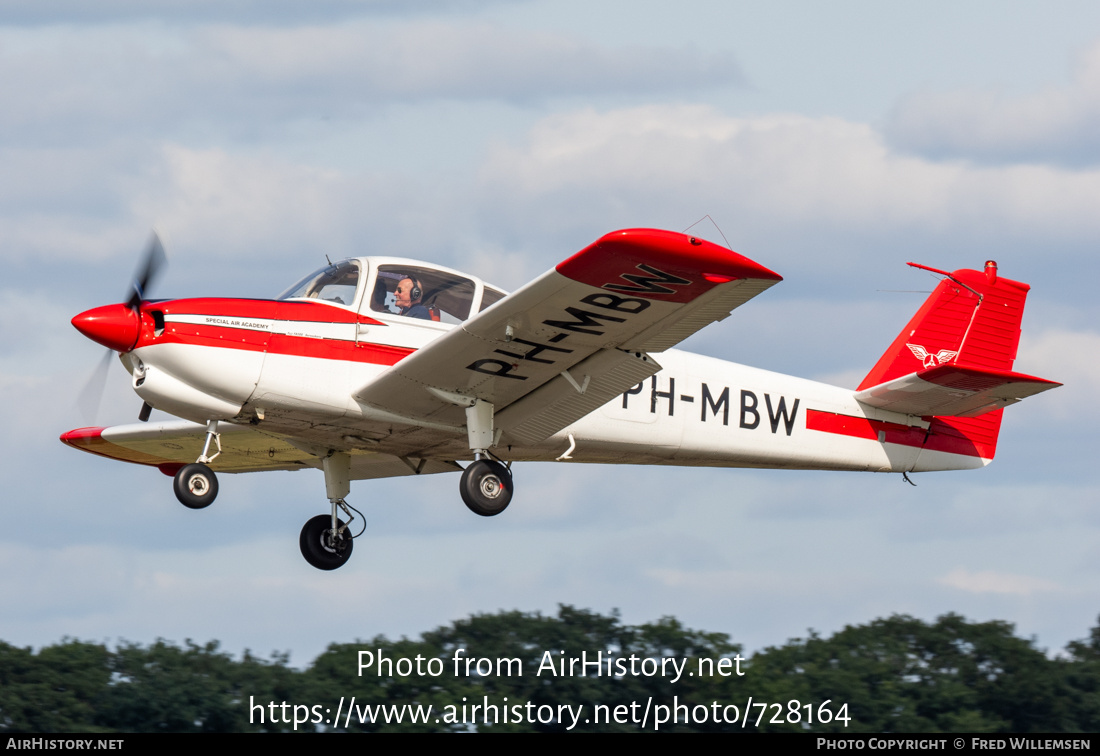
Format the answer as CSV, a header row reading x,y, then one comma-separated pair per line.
x,y
895,675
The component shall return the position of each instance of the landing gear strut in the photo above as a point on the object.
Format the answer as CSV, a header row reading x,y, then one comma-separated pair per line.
x,y
486,485
326,541
195,485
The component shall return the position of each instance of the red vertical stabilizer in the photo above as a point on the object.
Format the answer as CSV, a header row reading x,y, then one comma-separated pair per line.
x,y
972,319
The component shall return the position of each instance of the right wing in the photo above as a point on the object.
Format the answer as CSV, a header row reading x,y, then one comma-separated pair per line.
x,y
572,339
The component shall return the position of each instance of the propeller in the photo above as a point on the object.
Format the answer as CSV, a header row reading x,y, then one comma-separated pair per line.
x,y
91,396
112,326
152,262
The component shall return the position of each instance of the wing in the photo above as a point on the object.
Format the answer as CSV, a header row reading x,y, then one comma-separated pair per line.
x,y
953,391
575,337
170,445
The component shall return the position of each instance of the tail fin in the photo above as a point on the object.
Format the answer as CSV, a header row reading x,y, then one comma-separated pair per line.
x,y
972,319
961,343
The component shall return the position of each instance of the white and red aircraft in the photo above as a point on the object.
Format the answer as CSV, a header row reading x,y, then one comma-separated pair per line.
x,y
377,367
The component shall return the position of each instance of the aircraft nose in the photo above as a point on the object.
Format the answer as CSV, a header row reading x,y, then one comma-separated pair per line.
x,y
114,326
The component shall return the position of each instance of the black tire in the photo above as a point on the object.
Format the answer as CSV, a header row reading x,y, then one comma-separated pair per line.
x,y
318,546
196,486
486,487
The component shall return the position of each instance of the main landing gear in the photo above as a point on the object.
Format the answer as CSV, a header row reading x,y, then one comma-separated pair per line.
x,y
486,487
326,541
195,485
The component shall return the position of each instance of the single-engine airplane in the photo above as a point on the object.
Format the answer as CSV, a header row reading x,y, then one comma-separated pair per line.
x,y
378,366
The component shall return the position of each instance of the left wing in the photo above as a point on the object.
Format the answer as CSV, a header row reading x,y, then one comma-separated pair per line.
x,y
573,338
171,445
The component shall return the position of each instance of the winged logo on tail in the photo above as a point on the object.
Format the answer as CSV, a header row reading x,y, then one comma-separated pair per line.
x,y
941,357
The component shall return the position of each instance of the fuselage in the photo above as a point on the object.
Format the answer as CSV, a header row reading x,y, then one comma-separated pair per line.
x,y
292,367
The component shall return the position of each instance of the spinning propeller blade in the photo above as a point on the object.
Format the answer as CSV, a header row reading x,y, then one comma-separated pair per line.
x,y
91,396
151,264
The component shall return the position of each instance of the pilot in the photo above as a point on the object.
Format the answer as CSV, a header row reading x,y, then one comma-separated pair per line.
x,y
407,298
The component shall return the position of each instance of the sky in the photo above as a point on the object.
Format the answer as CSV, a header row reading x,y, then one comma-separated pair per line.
x,y
830,142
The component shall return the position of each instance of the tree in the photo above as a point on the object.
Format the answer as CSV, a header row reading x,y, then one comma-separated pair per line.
x,y
903,675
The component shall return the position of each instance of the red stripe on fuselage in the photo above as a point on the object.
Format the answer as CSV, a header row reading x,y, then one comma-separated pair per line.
x,y
223,336
944,434
861,427
332,349
270,309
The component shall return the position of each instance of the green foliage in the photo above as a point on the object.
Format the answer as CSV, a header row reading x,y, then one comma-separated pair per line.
x,y
903,675
897,674
55,691
1083,678
164,688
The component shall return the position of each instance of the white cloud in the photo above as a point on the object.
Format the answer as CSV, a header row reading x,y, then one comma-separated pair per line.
x,y
989,581
451,60
779,170
1069,357
28,12
89,84
1058,124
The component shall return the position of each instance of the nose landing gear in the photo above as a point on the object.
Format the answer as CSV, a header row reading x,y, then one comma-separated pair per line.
x,y
195,485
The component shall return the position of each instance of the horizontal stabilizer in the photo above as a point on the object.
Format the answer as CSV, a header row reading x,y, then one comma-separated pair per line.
x,y
953,391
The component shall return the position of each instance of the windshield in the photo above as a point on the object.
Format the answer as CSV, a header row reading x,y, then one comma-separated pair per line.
x,y
332,283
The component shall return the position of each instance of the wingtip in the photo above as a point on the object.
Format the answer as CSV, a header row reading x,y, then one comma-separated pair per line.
x,y
82,436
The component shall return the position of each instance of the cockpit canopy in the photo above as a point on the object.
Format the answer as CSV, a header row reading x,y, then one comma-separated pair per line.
x,y
397,287
332,283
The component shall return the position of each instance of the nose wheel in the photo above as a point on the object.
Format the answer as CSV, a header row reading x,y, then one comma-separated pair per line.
x,y
486,487
195,485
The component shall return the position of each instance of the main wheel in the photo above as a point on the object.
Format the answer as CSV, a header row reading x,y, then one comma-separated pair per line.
x,y
321,547
486,487
195,485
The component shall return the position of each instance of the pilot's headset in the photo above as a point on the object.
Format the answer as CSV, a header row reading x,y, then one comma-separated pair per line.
x,y
415,294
